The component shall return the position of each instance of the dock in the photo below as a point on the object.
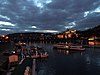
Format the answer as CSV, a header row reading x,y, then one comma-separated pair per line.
x,y
33,67
26,59
21,68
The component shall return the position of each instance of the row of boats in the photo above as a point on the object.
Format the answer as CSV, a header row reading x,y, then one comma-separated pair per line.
x,y
22,53
31,51
26,51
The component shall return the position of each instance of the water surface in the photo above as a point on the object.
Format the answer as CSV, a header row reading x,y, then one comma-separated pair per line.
x,y
69,63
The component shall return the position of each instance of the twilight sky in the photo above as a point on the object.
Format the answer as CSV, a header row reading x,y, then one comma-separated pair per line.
x,y
48,15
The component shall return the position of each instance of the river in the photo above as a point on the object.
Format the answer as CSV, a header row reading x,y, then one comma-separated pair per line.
x,y
62,62
69,63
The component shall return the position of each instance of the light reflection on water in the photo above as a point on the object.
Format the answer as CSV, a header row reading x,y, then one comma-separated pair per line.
x,y
69,63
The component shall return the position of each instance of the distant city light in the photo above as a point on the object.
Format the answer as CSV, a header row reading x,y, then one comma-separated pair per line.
x,y
6,37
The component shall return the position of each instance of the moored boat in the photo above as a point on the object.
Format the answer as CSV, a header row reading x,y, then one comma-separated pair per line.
x,y
44,55
69,47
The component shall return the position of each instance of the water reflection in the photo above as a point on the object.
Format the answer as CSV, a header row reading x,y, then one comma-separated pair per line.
x,y
94,43
63,62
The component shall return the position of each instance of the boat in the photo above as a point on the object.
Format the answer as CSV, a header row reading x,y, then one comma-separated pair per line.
x,y
35,56
59,46
80,48
68,47
44,55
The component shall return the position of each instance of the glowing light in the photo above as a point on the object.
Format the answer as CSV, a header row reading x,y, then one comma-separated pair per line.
x,y
5,17
13,52
6,23
67,52
60,36
90,39
91,43
69,35
6,37
66,36
3,35
76,35
73,31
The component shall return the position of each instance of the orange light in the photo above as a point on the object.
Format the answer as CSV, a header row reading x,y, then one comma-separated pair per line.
x,y
91,39
6,37
91,43
3,35
60,36
65,36
76,35
69,35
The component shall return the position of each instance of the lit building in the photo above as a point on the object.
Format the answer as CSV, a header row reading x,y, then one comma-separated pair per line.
x,y
60,36
4,38
13,58
68,34
93,38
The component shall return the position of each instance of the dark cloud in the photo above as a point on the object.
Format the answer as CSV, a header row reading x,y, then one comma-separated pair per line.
x,y
51,15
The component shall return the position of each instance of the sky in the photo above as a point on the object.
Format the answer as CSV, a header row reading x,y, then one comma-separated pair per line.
x,y
48,15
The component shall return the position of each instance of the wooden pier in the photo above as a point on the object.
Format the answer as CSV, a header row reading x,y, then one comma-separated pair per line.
x,y
34,67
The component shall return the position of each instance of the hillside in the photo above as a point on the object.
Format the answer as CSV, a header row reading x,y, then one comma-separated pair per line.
x,y
92,32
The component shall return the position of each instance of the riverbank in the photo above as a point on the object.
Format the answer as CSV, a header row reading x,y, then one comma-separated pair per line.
x,y
5,49
91,46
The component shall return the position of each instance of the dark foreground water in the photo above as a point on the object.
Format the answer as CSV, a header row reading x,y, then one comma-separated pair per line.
x,y
69,63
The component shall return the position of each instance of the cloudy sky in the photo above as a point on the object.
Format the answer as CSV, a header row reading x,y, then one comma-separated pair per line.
x,y
48,15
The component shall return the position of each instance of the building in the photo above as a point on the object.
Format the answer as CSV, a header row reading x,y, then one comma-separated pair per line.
x,y
70,34
4,38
